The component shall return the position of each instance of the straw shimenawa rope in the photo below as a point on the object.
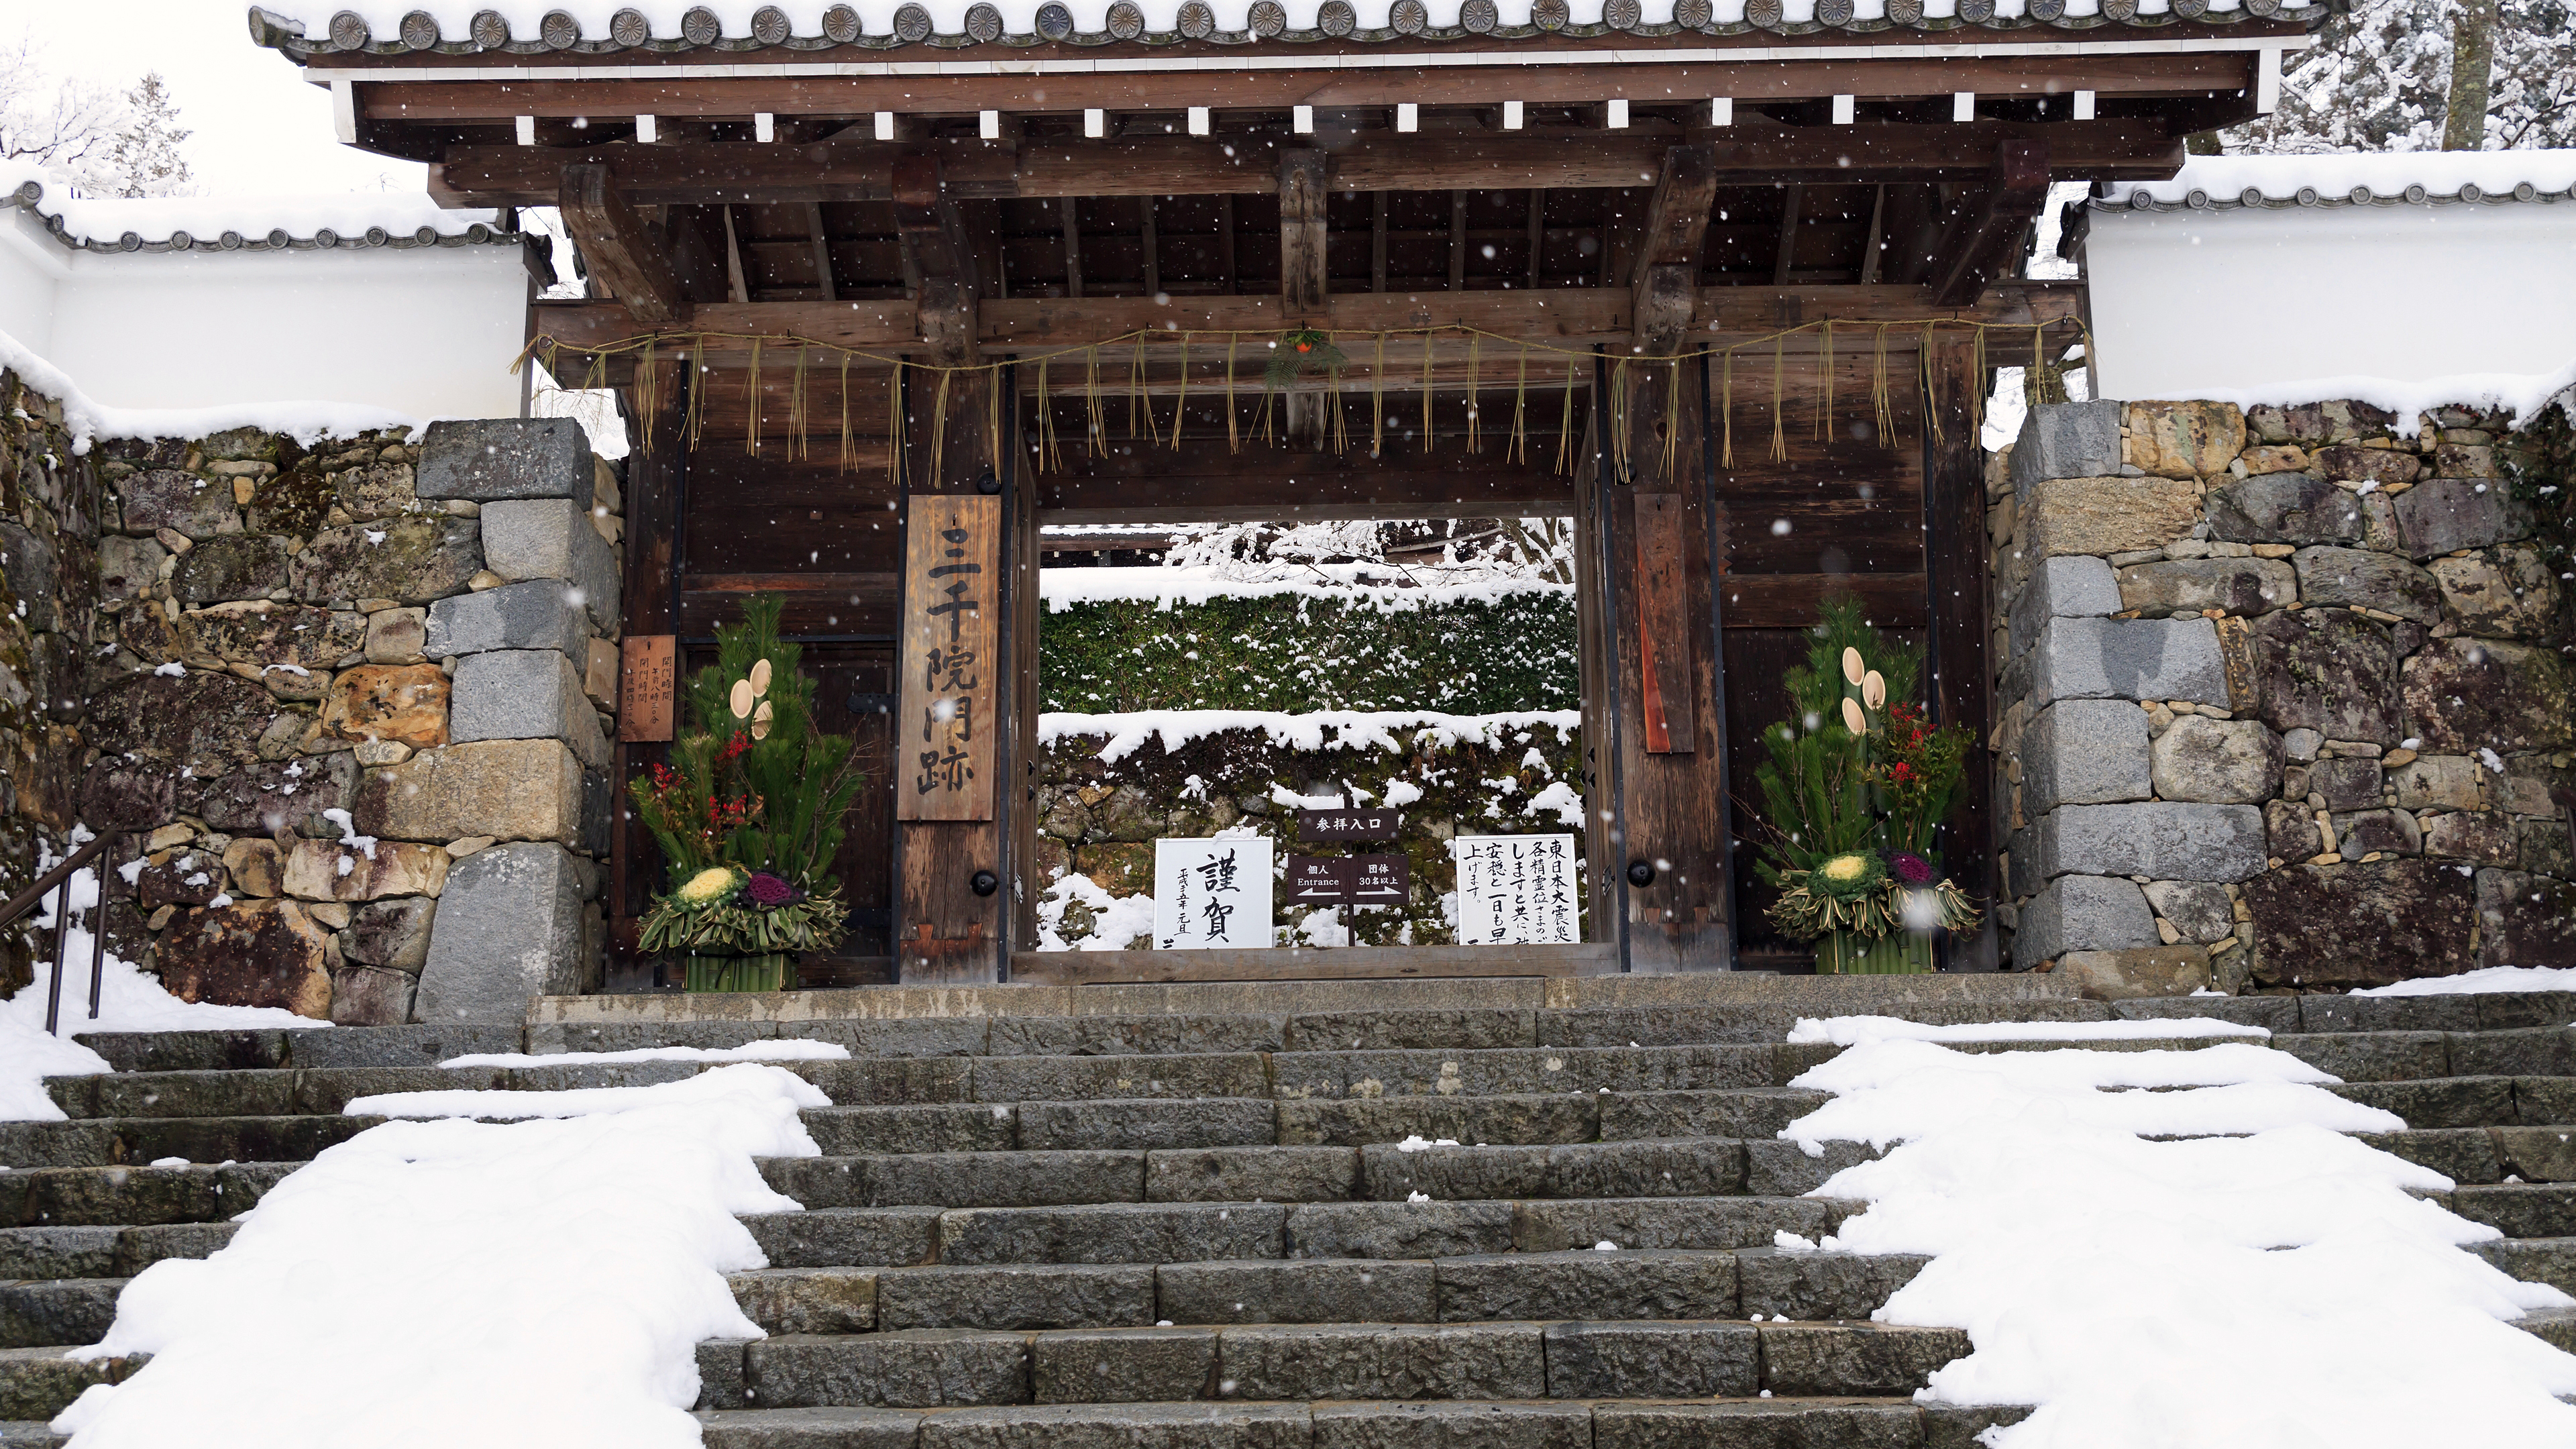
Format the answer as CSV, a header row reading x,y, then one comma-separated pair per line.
x,y
1627,373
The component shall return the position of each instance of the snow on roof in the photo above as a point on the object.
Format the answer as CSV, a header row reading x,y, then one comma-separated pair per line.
x,y
2230,183
592,27
246,223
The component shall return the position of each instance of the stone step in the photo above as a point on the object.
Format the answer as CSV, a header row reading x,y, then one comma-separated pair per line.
x,y
108,1141
956,1368
1195,1232
38,1383
104,1252
121,1196
2472,1101
59,1310
2416,1056
1774,1423
2520,1210
371,1046
1583,1284
2533,1260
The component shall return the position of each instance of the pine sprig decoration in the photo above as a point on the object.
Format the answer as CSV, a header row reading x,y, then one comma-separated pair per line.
x,y
1301,353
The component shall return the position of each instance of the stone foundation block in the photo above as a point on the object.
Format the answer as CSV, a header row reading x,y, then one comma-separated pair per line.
x,y
2525,920
406,703
2290,831
2201,914
2363,578
509,928
489,459
538,614
2442,515
551,538
2083,913
2129,975
2106,515
526,694
2377,832
368,996
260,632
2227,762
2329,670
2231,585
2062,588
392,934
408,560
127,566
2438,782
2285,508
255,953
2134,659
2155,839
395,636
325,870
2183,439
2084,752
2514,594
2350,782
509,789
2385,467
2360,925
181,502
2474,836
2066,440
2463,695
236,566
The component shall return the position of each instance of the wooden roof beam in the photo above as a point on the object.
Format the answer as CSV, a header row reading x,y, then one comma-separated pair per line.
x,y
945,306
2111,149
623,252
1985,234
1665,289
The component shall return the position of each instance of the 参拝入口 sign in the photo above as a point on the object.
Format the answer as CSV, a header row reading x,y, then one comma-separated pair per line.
x,y
1212,893
1517,890
1317,827
944,724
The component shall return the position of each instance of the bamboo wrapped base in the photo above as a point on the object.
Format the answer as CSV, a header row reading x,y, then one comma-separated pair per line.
x,y
1848,953
773,972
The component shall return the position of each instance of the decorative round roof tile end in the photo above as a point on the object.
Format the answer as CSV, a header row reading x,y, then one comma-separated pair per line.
x,y
1479,17
770,26
630,29
426,236
1768,14
2197,201
2359,196
1055,22
180,241
841,25
1693,14
326,238
2120,12
478,232
230,241
1126,20
2250,196
1905,12
911,24
1196,20
1836,13
2471,191
1623,14
2416,193
1550,15
488,30
700,26
130,242
1412,17
2525,192
558,30
348,31
29,192
1336,18
277,237
2190,9
2046,12
419,31
1975,12
984,23
1269,19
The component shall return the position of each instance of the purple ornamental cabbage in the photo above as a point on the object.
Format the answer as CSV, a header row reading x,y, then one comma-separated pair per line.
x,y
768,890
1905,865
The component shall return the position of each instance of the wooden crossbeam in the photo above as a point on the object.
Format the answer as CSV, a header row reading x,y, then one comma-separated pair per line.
x,y
621,248
1986,229
1665,290
1570,314
2109,149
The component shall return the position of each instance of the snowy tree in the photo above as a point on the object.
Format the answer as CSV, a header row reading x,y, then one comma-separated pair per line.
x,y
2381,79
145,158
66,126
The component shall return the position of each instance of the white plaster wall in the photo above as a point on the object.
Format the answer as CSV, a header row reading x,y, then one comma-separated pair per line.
x,y
427,332
2187,301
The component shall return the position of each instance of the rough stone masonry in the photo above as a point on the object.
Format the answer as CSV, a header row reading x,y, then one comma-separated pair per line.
x,y
2286,699
353,697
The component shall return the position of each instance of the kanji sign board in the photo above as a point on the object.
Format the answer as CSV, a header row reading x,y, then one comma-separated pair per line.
x,y
944,727
1357,880
1517,890
1212,893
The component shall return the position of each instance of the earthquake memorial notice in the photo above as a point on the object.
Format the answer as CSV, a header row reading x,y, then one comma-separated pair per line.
x,y
1517,890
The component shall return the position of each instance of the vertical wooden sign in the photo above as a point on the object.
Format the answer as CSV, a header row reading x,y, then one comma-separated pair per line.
x,y
944,728
1663,633
648,687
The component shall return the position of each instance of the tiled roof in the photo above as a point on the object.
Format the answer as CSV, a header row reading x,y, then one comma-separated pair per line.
x,y
702,29
2411,178
251,224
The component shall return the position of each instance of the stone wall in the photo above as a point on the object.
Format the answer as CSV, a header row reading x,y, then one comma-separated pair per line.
x,y
352,695
2285,701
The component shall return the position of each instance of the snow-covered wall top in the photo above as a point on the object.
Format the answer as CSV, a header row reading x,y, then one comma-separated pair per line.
x,y
253,223
591,27
1387,588
2226,183
2216,297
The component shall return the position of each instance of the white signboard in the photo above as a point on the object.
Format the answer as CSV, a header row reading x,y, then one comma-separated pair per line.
x,y
1516,890
1211,893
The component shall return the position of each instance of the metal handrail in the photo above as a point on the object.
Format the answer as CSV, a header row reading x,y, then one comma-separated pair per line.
x,y
58,882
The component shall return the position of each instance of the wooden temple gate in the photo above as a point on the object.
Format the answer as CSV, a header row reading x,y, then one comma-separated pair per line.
x,y
1727,301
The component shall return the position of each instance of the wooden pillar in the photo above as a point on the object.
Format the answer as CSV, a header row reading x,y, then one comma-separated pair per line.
x,y
955,755
1304,283
1960,637
656,486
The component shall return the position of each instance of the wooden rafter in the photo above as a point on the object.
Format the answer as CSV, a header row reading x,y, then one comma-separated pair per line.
x,y
1987,226
1145,238
822,250
1665,290
622,250
1876,241
1072,247
944,311
1793,199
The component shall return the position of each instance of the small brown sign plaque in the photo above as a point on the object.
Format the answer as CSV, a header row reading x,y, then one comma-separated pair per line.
x,y
1379,880
648,686
1319,880
1327,825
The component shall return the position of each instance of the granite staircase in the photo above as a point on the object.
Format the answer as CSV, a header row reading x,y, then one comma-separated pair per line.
x,y
1191,1229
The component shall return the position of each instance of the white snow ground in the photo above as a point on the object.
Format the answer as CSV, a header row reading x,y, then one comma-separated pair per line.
x,y
129,1000
430,1284
2272,1290
2480,982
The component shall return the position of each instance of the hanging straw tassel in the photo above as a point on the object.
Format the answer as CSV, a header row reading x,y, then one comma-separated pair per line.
x,y
1136,397
1098,440
1050,459
1377,401
1341,421
751,438
1233,440
898,406
939,429
1516,448
1474,393
846,446
1886,406
1427,337
1726,392
1181,399
993,376
648,386
1623,384
1779,366
697,394
796,421
1672,418
1565,422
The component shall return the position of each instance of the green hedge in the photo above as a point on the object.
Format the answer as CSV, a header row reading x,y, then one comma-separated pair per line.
x,y
1299,653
